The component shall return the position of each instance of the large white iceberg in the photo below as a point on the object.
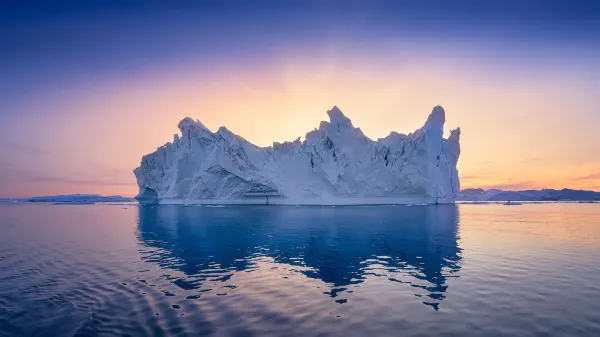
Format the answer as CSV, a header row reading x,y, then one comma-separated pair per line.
x,y
335,165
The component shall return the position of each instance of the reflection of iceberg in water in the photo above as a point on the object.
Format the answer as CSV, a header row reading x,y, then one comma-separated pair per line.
x,y
341,246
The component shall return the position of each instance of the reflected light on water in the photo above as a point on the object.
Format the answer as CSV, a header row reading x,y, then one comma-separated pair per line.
x,y
464,270
342,248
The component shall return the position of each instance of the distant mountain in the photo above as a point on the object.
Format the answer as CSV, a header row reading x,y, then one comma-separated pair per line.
x,y
73,199
478,194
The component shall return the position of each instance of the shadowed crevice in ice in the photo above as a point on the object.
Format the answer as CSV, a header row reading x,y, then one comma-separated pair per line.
x,y
147,196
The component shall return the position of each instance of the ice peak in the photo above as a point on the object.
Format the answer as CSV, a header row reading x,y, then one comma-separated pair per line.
x,y
454,135
185,123
336,116
188,123
437,116
224,131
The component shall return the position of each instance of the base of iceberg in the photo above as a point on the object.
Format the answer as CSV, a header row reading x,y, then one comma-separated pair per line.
x,y
307,201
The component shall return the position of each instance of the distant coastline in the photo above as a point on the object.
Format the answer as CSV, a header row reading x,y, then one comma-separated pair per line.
x,y
71,199
478,194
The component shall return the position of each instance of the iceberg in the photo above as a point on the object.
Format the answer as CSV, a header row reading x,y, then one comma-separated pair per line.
x,y
335,164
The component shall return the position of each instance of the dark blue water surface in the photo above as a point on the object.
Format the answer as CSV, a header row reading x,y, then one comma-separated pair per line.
x,y
464,270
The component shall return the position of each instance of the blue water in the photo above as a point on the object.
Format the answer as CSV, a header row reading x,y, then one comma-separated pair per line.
x,y
465,270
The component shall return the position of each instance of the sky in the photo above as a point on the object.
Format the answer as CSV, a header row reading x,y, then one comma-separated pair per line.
x,y
88,87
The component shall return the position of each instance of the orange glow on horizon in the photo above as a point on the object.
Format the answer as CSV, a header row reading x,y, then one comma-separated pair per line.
x,y
513,132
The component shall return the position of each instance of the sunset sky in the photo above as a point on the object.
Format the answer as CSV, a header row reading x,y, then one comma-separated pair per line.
x,y
88,87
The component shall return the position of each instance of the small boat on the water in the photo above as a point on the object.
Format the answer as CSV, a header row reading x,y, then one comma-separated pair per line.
x,y
512,203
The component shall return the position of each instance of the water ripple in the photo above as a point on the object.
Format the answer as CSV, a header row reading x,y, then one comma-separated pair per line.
x,y
296,271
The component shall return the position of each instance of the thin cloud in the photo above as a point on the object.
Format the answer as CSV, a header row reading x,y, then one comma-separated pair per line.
x,y
593,176
100,167
14,146
478,176
10,173
532,160
107,182
470,177
516,186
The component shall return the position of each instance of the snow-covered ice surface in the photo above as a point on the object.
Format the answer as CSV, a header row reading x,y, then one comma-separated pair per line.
x,y
336,164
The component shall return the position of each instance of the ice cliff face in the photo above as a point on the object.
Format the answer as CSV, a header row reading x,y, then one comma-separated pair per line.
x,y
335,164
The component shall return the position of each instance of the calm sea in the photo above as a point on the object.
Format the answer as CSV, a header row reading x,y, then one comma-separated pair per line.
x,y
464,270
